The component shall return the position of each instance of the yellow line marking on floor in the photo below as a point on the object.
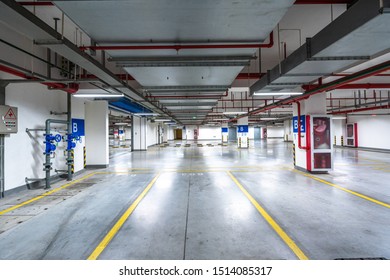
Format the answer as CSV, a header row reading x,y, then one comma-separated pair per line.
x,y
46,194
114,230
124,172
282,234
344,189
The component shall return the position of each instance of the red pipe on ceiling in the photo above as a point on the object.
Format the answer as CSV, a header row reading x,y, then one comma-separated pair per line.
x,y
369,72
353,86
71,88
361,110
120,76
181,47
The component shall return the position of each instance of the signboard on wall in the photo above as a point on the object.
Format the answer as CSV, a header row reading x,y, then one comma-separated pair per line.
x,y
225,130
303,124
242,129
9,119
78,127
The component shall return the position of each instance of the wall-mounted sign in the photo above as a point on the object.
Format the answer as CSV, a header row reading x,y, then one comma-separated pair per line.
x,y
78,127
9,119
242,129
303,124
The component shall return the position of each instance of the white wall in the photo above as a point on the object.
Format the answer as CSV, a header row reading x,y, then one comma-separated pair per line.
x,y
373,131
139,134
188,133
288,130
275,132
127,133
204,133
96,132
251,132
151,134
78,112
338,131
210,133
24,152
170,134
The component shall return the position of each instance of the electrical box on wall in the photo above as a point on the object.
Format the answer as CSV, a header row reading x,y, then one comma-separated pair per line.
x,y
352,135
9,119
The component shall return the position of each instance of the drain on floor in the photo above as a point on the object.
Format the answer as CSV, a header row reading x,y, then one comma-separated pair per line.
x,y
81,185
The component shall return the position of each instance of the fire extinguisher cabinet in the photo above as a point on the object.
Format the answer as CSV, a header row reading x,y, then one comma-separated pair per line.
x,y
321,148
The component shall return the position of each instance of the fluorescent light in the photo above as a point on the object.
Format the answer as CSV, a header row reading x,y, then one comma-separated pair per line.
x,y
234,113
339,118
268,119
162,120
239,89
277,93
92,95
220,119
121,123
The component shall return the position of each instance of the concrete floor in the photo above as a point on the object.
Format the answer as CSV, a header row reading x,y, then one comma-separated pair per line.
x,y
196,210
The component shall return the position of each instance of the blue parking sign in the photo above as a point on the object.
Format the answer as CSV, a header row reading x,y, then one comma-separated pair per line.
x,y
303,124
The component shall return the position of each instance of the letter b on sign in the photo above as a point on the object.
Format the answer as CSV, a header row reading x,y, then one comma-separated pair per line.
x,y
75,127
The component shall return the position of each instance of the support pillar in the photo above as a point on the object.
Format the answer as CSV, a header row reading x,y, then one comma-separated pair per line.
x,y
242,133
139,134
96,133
312,130
225,133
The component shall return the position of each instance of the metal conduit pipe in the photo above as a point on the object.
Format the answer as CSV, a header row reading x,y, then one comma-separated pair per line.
x,y
362,104
369,72
47,156
69,124
299,127
71,88
179,47
353,86
361,110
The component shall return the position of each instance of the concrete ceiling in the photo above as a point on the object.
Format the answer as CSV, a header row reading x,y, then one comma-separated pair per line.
x,y
139,22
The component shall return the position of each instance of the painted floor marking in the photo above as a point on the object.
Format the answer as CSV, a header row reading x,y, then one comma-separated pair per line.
x,y
118,225
282,234
46,194
344,189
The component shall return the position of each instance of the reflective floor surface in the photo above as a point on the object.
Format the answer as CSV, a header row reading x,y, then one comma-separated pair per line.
x,y
206,201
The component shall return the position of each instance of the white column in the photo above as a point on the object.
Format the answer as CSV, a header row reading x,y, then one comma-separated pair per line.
x,y
242,136
96,133
315,153
139,134
225,133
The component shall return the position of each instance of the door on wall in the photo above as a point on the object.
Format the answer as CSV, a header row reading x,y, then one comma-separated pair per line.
x,y
232,134
257,133
178,134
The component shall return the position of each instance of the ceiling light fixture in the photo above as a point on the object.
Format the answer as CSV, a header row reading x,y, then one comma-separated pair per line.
x,y
276,93
162,120
92,95
234,113
268,119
